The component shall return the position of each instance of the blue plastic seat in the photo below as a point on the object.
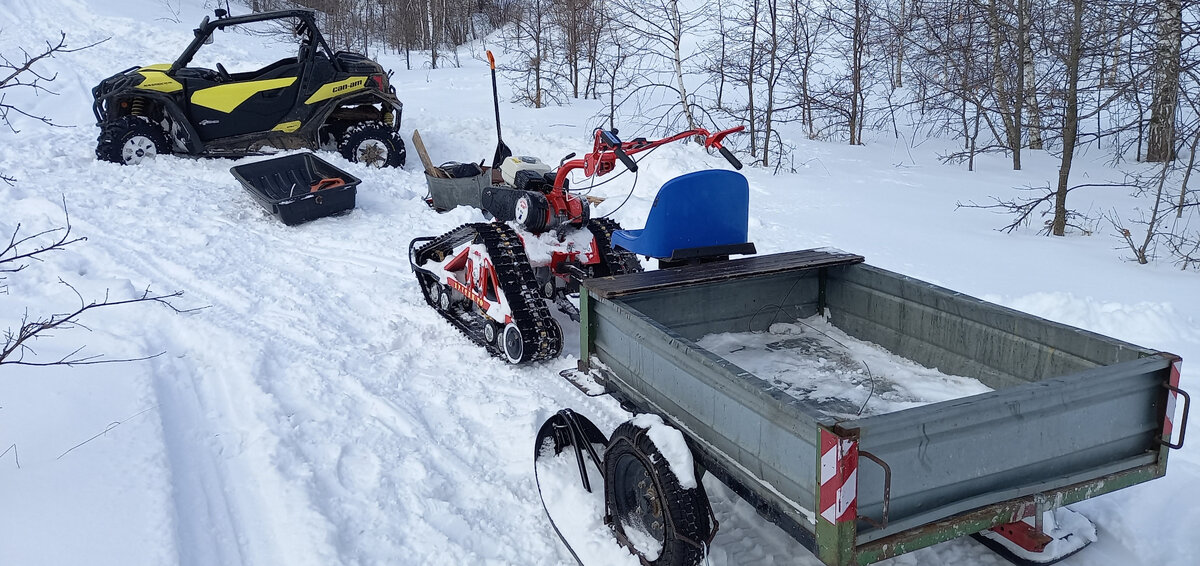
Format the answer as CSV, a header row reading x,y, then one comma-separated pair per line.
x,y
704,209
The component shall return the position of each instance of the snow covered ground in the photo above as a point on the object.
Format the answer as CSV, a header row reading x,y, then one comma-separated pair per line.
x,y
316,411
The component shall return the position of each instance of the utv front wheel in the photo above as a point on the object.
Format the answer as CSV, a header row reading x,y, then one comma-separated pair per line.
x,y
373,144
130,140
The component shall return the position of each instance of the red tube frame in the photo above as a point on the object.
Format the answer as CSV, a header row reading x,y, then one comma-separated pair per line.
x,y
603,157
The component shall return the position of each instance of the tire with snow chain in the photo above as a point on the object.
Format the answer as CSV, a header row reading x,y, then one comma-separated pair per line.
x,y
648,506
130,140
373,144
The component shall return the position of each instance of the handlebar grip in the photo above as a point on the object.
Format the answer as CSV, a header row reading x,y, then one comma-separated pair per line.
x,y
628,161
730,157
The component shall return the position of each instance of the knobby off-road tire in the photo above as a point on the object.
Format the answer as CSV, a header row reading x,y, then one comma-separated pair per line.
x,y
130,140
641,492
373,144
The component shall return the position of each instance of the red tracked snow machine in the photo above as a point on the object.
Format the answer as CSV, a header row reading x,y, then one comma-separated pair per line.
x,y
490,279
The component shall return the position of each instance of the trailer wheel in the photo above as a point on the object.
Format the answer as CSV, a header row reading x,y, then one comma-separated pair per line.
x,y
514,344
661,522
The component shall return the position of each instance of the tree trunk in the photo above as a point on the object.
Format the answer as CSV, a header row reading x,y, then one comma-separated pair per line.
x,y
1143,256
901,28
538,46
1161,146
1187,175
432,40
806,97
721,61
773,6
858,45
1012,128
751,70
677,30
1034,121
1070,120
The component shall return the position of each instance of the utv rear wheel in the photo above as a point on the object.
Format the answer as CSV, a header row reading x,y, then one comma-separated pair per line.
x,y
130,140
373,144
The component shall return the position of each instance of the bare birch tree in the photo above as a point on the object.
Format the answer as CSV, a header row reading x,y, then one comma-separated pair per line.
x,y
1169,23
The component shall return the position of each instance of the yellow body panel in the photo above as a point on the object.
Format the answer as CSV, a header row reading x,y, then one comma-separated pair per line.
x,y
158,81
225,98
337,88
156,67
287,127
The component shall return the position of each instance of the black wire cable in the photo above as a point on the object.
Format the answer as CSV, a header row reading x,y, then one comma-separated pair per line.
x,y
614,177
631,189
627,195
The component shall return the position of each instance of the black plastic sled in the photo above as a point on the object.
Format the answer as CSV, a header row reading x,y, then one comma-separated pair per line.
x,y
298,188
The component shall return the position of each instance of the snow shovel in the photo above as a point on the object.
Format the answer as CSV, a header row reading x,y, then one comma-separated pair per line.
x,y
502,150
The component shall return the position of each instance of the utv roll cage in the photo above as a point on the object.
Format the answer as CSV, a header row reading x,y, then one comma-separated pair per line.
x,y
306,26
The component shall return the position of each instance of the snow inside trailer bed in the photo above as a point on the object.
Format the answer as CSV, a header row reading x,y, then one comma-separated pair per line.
x,y
843,376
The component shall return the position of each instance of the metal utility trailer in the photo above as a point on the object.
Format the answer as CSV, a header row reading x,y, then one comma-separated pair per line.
x,y
1073,414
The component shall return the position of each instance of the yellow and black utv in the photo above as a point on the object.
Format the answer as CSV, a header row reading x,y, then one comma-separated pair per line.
x,y
315,99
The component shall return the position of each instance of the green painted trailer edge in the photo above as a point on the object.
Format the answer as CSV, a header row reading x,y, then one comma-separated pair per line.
x,y
835,542
585,329
982,519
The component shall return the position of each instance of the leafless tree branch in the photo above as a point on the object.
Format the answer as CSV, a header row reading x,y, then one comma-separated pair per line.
x,y
1023,208
11,256
18,342
22,74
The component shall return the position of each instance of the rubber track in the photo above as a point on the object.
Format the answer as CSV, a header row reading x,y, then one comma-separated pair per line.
x,y
540,334
613,261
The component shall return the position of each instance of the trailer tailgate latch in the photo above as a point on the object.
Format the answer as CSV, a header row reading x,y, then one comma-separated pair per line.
x,y
1187,403
887,489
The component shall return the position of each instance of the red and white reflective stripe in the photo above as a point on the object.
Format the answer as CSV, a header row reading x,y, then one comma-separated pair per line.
x,y
839,478
1176,369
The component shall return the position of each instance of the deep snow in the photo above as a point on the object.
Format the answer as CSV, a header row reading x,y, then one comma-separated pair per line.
x,y
318,412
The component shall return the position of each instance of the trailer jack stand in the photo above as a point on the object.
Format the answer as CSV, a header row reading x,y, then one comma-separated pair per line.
x,y
1045,538
1024,535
